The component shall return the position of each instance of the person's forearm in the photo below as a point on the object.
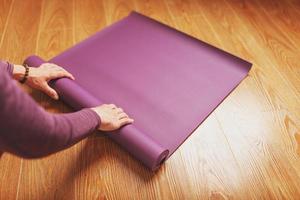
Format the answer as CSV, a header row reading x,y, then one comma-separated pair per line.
x,y
55,133
18,72
68,129
15,71
7,67
29,131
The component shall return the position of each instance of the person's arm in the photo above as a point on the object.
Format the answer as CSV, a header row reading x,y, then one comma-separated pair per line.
x,y
38,77
27,130
7,67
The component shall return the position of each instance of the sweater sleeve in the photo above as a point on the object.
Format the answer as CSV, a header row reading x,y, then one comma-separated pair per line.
x,y
7,66
27,130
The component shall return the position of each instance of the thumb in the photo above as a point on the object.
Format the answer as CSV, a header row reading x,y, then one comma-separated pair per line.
x,y
50,92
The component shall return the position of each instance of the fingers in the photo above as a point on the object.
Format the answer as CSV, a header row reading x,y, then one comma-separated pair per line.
x,y
123,115
113,106
59,74
119,110
50,92
112,117
65,73
125,121
57,71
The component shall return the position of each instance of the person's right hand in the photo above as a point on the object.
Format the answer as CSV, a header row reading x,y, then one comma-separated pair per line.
x,y
112,117
39,77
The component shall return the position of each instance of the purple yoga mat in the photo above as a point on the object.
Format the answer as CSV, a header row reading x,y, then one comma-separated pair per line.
x,y
167,81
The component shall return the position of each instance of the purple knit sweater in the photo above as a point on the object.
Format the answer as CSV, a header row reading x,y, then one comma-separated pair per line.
x,y
27,130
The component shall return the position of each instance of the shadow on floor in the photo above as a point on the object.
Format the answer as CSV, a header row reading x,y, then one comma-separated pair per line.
x,y
94,149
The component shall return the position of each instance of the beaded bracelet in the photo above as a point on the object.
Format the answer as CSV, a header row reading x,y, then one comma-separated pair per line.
x,y
24,79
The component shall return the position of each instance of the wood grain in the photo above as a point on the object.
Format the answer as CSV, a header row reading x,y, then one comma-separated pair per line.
x,y
249,148
19,39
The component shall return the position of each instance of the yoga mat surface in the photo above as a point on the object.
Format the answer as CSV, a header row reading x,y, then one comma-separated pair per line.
x,y
167,81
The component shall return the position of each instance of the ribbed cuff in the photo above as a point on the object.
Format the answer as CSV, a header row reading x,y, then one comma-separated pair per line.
x,y
10,68
95,115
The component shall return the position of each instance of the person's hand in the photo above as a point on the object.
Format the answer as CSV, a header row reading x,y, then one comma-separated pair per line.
x,y
38,78
112,117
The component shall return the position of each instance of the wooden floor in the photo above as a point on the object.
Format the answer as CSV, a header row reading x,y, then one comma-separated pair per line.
x,y
249,148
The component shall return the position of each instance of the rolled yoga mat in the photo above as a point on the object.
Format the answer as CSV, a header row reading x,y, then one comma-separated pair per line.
x,y
167,81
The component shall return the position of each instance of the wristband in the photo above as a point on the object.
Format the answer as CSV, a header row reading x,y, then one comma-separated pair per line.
x,y
24,79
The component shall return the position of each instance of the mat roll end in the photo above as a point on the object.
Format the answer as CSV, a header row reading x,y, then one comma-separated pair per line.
x,y
34,61
160,161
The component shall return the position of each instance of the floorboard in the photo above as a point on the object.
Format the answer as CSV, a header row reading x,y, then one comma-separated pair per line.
x,y
248,148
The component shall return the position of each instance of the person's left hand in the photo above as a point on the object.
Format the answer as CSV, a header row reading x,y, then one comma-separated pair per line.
x,y
38,78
